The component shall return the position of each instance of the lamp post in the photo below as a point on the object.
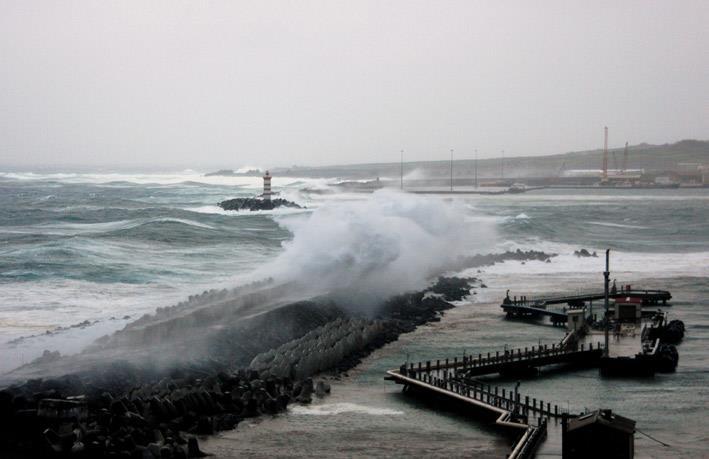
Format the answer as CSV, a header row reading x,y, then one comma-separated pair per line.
x,y
451,169
502,164
402,170
476,168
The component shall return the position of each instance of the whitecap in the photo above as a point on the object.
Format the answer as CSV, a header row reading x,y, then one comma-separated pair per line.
x,y
617,225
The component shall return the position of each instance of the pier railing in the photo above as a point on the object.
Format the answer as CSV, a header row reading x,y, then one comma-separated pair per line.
x,y
454,379
526,446
507,359
650,296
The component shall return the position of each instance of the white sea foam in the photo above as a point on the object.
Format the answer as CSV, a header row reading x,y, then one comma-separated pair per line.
x,y
388,243
331,409
167,178
70,229
624,264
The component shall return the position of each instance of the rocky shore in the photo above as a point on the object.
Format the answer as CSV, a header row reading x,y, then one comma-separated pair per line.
x,y
253,204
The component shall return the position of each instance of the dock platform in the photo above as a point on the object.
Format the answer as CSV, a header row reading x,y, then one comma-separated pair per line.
x,y
539,306
455,379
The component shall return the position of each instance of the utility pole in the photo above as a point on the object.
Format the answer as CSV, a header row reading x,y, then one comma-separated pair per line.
x,y
476,168
402,170
451,169
606,280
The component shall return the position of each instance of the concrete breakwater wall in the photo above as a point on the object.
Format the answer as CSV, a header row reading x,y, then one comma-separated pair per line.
x,y
320,349
75,417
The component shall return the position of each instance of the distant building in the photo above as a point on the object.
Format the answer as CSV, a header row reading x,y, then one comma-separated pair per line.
x,y
267,186
692,173
598,434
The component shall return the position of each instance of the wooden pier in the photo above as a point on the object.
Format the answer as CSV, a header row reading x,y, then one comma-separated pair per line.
x,y
511,413
508,361
455,380
539,306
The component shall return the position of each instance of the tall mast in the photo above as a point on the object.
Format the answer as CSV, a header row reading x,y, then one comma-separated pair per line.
x,y
606,280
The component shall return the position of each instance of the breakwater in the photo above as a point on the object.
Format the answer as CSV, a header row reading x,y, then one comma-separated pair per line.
x,y
103,418
179,370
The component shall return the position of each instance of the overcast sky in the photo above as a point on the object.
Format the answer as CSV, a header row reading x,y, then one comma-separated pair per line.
x,y
209,83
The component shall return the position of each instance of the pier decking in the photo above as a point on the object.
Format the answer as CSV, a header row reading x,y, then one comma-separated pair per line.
x,y
511,413
538,306
455,379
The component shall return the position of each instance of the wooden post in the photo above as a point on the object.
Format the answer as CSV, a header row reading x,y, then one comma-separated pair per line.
x,y
526,403
556,410
428,366
549,408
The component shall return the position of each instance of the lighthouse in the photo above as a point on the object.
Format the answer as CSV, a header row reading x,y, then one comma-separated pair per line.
x,y
267,186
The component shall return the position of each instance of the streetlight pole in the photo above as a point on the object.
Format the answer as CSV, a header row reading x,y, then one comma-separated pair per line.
x,y
402,171
502,164
451,169
476,168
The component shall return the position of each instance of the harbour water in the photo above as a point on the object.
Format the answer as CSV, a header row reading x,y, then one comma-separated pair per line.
x,y
103,249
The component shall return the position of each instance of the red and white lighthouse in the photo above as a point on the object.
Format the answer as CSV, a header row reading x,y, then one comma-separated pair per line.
x,y
267,186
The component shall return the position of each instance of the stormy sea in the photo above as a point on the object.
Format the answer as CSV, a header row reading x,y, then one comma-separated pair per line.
x,y
84,255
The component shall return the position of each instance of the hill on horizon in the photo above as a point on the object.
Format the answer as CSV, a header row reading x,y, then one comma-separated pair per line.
x,y
664,157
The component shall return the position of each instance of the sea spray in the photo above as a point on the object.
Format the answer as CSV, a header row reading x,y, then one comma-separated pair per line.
x,y
364,251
